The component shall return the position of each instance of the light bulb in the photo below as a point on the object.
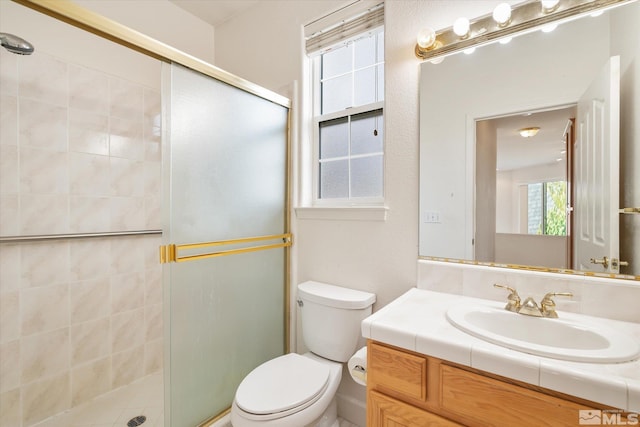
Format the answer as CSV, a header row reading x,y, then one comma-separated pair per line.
x,y
461,27
426,38
502,14
549,6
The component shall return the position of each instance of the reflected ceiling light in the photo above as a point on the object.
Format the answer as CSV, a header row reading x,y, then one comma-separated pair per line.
x,y
505,40
549,6
528,132
437,60
596,14
461,27
502,14
426,38
469,51
549,28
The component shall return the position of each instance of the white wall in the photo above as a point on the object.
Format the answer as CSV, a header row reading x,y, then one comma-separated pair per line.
x,y
161,20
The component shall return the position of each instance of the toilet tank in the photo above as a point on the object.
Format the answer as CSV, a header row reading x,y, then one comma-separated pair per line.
x,y
331,317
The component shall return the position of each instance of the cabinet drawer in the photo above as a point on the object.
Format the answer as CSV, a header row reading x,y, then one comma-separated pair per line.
x,y
395,370
489,402
388,412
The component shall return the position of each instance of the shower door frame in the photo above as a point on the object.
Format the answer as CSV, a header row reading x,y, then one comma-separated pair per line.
x,y
73,14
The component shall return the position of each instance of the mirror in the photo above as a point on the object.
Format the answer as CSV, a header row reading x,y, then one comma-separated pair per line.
x,y
498,90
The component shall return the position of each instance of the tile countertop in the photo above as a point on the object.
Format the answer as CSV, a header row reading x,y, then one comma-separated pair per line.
x,y
416,321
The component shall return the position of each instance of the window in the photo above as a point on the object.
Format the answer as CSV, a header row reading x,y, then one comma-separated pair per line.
x,y
348,134
546,208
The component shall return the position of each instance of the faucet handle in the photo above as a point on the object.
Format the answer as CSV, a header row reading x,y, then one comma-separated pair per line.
x,y
513,300
548,305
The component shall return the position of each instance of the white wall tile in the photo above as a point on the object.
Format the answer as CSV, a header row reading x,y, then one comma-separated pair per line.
x,y
45,398
11,405
8,73
9,316
44,214
90,380
44,264
88,132
90,259
43,171
9,178
44,308
9,268
9,215
127,330
90,300
8,120
88,90
89,214
44,355
90,341
127,366
44,78
9,366
89,175
42,125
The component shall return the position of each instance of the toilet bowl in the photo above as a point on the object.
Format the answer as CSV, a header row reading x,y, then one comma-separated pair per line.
x,y
289,391
296,390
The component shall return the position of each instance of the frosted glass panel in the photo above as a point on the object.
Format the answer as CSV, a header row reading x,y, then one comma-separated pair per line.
x,y
367,133
334,179
364,91
225,178
334,138
337,62
336,94
365,52
366,177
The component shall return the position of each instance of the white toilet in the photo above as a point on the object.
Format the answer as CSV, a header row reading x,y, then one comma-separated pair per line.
x,y
299,390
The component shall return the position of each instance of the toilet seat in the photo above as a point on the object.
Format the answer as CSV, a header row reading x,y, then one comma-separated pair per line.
x,y
282,386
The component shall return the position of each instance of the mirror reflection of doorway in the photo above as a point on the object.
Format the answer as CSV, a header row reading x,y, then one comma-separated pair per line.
x,y
547,185
523,188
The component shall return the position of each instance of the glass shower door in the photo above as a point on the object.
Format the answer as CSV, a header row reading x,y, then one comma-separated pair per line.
x,y
225,173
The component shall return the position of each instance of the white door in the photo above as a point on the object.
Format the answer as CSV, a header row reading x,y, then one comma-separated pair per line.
x,y
597,157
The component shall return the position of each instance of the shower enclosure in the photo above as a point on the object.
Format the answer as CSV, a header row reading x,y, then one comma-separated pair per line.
x,y
97,171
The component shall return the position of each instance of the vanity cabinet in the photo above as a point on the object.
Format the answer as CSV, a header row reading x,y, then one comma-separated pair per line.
x,y
407,389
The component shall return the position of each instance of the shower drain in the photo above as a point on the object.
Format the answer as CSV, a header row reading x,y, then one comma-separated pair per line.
x,y
136,421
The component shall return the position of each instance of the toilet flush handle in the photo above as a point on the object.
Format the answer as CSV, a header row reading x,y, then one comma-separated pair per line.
x,y
300,303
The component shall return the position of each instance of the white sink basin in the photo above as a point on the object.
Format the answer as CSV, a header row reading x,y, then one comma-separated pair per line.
x,y
570,337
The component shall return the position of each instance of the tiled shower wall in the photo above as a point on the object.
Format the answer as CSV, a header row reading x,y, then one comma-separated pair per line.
x,y
79,152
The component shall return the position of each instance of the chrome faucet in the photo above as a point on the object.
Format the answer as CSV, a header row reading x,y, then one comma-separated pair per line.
x,y
529,307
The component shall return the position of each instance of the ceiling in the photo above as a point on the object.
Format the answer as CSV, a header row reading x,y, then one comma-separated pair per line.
x,y
515,152
215,12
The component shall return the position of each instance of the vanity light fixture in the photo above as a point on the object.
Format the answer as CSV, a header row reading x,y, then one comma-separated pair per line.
x,y
505,21
426,39
549,6
528,132
461,27
502,14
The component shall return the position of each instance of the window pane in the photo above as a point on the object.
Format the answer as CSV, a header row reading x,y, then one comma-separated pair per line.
x,y
334,179
336,94
365,86
366,177
380,81
337,61
366,133
334,138
380,37
365,52
534,208
555,215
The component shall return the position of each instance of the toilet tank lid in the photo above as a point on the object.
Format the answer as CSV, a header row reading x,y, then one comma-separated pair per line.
x,y
335,296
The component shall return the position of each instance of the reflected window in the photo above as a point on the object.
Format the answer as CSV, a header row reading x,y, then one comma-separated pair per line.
x,y
546,208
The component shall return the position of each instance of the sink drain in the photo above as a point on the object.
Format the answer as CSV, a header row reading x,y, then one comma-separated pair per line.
x,y
136,421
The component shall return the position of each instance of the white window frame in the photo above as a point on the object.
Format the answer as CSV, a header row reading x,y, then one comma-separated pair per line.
x,y
318,118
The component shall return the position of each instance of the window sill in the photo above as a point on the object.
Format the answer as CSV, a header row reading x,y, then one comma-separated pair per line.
x,y
343,213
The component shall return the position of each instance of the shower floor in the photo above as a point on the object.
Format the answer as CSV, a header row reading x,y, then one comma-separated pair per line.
x,y
116,408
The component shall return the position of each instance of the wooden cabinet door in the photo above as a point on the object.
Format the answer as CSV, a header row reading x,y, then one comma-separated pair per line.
x,y
384,411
